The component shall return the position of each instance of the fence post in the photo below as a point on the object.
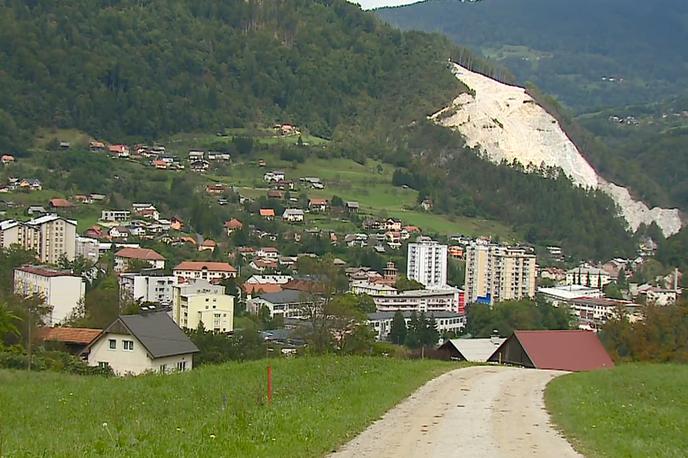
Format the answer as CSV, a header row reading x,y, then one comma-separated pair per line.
x,y
269,385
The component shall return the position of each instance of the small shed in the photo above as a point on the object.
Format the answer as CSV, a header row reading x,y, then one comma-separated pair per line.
x,y
473,350
558,350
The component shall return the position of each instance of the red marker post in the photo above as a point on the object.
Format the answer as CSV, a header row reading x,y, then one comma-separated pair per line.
x,y
269,385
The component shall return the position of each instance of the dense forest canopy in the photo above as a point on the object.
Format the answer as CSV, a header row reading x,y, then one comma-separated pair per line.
x,y
567,47
143,68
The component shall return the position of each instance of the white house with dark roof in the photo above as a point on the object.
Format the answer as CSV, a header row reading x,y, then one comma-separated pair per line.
x,y
150,342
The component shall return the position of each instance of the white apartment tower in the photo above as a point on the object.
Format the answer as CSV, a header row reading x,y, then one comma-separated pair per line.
x,y
497,273
427,262
50,236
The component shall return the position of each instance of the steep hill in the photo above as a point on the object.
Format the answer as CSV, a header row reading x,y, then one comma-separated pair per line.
x,y
589,53
141,69
507,124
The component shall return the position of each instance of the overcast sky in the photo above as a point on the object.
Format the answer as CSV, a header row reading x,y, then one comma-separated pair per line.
x,y
370,4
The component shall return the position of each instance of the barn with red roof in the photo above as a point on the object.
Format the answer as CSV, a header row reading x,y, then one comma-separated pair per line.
x,y
558,350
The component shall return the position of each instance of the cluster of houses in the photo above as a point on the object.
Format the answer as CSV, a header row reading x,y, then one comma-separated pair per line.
x,y
21,184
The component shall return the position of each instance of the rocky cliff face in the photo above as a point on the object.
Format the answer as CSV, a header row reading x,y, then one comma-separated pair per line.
x,y
507,124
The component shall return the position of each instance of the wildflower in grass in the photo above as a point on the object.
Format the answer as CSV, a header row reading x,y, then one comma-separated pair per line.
x,y
212,436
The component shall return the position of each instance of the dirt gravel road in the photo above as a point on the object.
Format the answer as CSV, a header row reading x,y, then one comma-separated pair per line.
x,y
472,412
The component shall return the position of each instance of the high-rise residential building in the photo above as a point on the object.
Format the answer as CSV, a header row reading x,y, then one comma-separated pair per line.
x,y
50,236
497,273
427,262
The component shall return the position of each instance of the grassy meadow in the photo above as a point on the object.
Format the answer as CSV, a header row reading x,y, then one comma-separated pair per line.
x,y
319,403
633,410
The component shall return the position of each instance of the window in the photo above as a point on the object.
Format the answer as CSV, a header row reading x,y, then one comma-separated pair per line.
x,y
163,368
181,366
103,364
113,344
128,345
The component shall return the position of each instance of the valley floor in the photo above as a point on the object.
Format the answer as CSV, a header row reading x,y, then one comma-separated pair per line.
x,y
472,412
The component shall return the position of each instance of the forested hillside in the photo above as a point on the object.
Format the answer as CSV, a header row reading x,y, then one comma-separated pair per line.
x,y
589,53
135,70
140,69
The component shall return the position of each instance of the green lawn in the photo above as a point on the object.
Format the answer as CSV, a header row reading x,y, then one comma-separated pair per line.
x,y
633,410
319,403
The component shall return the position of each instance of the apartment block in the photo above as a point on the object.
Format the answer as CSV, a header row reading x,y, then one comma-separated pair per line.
x,y
200,301
497,273
50,236
59,289
149,285
427,262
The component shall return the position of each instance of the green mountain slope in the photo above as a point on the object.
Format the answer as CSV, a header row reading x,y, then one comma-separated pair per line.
x,y
140,69
567,47
129,70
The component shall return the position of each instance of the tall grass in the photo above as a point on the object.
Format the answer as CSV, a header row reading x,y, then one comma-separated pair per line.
x,y
318,404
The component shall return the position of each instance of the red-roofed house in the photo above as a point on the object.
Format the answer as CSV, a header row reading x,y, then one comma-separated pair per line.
x,y
233,225
119,150
558,350
319,205
125,255
75,340
59,204
267,213
208,245
205,270
252,289
7,159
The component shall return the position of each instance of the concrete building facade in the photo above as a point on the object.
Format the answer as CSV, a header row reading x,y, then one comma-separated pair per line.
x,y
50,236
200,301
146,286
427,262
497,273
59,289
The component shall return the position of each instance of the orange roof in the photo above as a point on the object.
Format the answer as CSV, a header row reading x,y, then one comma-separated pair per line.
x,y
317,202
209,243
202,265
60,203
267,212
411,228
82,336
140,253
252,288
233,224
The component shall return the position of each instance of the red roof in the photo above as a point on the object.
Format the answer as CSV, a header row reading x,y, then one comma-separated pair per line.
x,y
45,271
201,265
267,212
252,288
233,224
82,336
60,203
563,350
317,202
140,253
209,243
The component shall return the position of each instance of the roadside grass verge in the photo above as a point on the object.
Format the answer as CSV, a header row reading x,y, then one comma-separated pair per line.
x,y
631,410
319,403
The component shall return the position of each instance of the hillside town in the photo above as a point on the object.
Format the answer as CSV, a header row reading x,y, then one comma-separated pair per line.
x,y
268,264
